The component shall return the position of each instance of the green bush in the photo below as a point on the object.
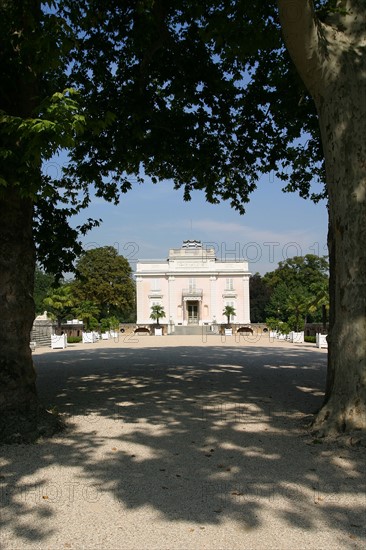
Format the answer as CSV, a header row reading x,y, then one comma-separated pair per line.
x,y
109,323
310,339
284,328
272,323
74,339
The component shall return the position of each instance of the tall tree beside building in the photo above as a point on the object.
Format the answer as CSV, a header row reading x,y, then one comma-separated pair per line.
x,y
277,304
104,278
299,271
292,286
260,294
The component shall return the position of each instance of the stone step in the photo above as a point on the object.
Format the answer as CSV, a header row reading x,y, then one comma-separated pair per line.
x,y
190,330
40,337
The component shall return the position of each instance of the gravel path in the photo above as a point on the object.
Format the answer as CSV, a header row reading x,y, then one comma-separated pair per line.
x,y
182,443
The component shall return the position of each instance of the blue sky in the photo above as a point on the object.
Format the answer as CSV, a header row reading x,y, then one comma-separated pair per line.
x,y
150,219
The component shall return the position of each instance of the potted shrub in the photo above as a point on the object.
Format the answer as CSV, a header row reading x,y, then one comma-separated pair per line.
x,y
157,313
229,311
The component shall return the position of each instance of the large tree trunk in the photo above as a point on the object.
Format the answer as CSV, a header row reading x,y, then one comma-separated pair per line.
x,y
22,419
17,252
17,266
331,59
342,115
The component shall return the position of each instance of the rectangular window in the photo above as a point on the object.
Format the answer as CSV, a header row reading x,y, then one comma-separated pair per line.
x,y
229,284
155,284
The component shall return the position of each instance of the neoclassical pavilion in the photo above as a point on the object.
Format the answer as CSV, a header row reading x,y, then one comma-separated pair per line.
x,y
193,286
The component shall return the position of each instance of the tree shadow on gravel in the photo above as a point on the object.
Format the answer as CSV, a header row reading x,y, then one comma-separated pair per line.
x,y
198,434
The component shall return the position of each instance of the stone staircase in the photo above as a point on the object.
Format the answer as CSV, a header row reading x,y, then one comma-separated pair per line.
x,y
41,336
190,330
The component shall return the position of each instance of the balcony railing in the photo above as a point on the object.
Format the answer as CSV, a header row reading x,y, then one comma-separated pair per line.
x,y
192,293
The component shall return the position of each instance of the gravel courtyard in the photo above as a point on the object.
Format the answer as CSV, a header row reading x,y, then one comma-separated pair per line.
x,y
183,443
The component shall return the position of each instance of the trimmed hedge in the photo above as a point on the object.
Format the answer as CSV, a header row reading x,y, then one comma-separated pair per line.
x,y
74,339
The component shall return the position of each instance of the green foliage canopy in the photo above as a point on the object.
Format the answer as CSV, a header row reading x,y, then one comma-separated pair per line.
x,y
294,287
302,271
200,93
104,278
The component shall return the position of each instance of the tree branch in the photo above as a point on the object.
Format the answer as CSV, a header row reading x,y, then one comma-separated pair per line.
x,y
302,35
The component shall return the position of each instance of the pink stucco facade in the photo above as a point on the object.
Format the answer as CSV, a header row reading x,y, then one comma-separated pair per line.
x,y
193,287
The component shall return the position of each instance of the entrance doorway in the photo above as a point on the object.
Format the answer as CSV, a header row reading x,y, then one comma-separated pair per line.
x,y
192,309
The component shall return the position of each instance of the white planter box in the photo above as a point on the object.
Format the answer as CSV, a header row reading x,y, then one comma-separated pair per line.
x,y
89,337
297,337
58,341
105,336
228,332
158,332
321,341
